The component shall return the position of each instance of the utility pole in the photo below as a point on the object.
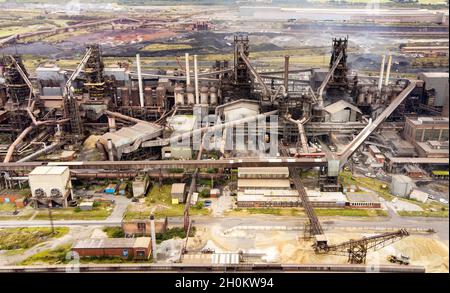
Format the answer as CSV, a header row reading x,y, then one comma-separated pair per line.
x,y
50,216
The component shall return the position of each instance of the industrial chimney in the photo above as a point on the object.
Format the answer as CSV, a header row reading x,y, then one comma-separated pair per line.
x,y
153,235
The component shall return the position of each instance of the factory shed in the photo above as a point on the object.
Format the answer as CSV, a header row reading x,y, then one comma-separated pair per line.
x,y
401,185
363,200
177,192
266,184
126,248
142,227
128,139
258,172
419,195
342,111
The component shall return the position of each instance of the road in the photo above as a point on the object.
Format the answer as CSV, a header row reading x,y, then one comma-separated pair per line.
x,y
441,226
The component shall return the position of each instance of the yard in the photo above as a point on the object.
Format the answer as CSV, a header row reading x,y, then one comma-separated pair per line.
x,y
23,238
159,201
100,211
321,212
430,208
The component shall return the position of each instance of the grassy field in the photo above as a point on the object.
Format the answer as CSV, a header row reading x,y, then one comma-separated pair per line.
x,y
49,256
321,212
100,212
430,208
23,238
165,47
159,201
7,207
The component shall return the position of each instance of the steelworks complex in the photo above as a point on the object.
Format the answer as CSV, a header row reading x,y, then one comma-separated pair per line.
x,y
134,129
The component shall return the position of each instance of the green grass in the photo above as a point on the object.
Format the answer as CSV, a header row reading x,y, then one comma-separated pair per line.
x,y
166,47
351,212
176,232
7,207
347,179
435,214
99,212
23,238
114,232
160,200
49,256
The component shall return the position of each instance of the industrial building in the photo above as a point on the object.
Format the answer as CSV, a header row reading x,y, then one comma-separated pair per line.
x,y
127,248
50,186
136,228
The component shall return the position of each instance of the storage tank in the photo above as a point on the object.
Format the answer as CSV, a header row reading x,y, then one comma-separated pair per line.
x,y
160,96
179,94
190,95
148,96
204,94
213,95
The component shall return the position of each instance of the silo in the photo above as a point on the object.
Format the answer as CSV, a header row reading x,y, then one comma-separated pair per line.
x,y
360,99
204,93
190,95
179,94
160,95
148,96
369,98
213,95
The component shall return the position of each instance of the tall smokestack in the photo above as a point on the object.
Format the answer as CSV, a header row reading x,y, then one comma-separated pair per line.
x,y
197,98
153,235
141,91
188,77
110,150
112,124
388,70
286,72
380,81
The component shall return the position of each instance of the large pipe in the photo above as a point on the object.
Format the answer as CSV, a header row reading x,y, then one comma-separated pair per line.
x,y
380,80
188,77
110,150
112,124
197,97
124,117
388,70
153,236
18,140
40,152
141,91
286,71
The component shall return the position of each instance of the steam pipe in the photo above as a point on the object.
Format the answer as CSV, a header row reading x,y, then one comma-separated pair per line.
x,y
141,92
380,80
16,143
197,98
286,71
388,70
36,154
188,77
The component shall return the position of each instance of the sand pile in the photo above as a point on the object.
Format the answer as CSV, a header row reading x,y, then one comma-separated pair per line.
x,y
90,142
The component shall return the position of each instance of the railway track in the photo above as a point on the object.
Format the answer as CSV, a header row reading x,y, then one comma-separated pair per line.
x,y
177,267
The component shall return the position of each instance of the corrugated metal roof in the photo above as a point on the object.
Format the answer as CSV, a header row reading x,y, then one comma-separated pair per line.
x,y
362,197
264,183
178,188
105,243
263,171
339,106
49,170
225,258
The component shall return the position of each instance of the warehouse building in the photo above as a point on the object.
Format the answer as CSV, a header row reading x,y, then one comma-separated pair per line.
x,y
401,185
363,200
126,248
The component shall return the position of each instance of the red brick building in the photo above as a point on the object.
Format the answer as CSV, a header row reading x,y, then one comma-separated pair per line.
x,y
126,248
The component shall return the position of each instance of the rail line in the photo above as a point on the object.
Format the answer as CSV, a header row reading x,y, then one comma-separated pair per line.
x,y
177,267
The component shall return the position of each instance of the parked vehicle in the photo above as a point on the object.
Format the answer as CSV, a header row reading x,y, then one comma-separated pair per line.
x,y
402,259
443,200
207,203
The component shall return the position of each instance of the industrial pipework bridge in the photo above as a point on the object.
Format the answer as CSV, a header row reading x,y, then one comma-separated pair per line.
x,y
167,164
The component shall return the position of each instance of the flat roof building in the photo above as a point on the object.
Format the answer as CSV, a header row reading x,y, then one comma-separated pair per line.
x,y
126,248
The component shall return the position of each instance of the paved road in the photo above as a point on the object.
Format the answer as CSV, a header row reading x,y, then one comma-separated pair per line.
x,y
441,226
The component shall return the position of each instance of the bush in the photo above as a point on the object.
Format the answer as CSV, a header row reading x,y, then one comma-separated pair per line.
x,y
96,204
77,210
199,205
114,232
205,193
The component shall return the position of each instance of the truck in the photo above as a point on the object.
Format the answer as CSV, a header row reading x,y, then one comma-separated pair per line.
x,y
402,259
